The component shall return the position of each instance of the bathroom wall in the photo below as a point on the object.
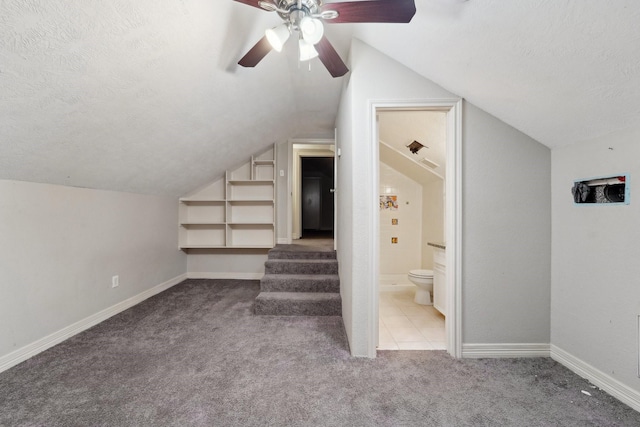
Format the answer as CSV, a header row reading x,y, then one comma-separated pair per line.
x,y
396,259
432,219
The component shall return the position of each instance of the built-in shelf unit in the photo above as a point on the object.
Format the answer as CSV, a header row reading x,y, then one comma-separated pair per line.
x,y
235,211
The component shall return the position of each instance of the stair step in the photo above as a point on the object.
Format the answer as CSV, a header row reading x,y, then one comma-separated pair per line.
x,y
301,252
300,283
298,304
301,266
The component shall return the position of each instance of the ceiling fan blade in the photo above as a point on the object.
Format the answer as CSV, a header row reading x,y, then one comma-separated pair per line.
x,y
256,53
330,58
399,11
253,3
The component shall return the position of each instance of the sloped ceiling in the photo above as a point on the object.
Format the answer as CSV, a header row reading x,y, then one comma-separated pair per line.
x,y
145,96
398,129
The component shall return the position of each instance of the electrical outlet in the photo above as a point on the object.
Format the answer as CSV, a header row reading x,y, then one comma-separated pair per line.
x,y
115,281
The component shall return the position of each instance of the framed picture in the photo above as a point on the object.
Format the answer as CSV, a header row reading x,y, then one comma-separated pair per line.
x,y
389,202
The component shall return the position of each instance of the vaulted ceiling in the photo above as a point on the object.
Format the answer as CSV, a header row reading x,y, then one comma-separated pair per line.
x,y
146,96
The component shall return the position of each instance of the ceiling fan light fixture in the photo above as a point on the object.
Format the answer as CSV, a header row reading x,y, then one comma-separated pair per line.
x,y
307,51
278,36
312,29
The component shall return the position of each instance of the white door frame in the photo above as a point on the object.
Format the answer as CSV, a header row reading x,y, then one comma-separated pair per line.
x,y
453,214
293,176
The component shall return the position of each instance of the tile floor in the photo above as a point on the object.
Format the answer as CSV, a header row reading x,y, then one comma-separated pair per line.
x,y
405,325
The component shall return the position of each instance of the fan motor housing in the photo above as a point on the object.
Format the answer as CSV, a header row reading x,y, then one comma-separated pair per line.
x,y
308,7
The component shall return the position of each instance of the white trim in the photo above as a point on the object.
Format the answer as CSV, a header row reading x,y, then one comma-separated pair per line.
x,y
475,351
397,288
607,383
453,215
30,350
218,275
395,279
453,236
283,241
374,231
395,283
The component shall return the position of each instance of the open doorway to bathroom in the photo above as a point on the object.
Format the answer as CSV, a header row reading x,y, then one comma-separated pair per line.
x,y
412,229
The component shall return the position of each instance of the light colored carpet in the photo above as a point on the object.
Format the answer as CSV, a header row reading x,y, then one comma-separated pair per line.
x,y
196,356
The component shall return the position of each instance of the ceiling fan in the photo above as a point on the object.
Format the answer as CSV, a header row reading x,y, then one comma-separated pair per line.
x,y
306,17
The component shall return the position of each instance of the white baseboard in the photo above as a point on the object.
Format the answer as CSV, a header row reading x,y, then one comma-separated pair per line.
x,y
216,275
505,350
395,282
283,241
30,350
607,383
397,288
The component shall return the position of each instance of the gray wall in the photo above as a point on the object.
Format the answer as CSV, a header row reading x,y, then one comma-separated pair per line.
x,y
61,246
595,287
506,240
506,212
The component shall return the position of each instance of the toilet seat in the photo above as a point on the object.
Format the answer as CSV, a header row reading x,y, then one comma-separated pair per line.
x,y
421,273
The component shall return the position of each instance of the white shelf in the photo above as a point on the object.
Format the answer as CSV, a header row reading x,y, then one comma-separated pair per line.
x,y
193,200
250,182
235,211
187,246
203,224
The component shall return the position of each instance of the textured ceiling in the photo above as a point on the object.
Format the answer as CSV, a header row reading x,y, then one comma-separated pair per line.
x,y
145,96
561,71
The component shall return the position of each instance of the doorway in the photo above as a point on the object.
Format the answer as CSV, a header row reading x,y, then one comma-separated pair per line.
x,y
317,197
313,161
453,217
412,153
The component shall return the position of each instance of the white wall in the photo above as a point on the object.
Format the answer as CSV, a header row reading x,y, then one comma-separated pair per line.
x,y
353,315
397,259
282,191
595,269
506,239
226,263
62,245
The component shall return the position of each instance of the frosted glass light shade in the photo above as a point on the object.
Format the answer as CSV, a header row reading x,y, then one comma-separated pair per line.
x,y
312,29
307,51
278,36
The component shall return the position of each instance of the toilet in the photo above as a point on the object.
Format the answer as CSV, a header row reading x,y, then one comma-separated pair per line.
x,y
423,279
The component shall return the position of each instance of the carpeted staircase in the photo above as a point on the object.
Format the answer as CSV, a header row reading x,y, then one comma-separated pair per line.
x,y
300,281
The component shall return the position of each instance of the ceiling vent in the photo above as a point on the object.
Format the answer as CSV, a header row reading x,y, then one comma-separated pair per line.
x,y
429,163
415,146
